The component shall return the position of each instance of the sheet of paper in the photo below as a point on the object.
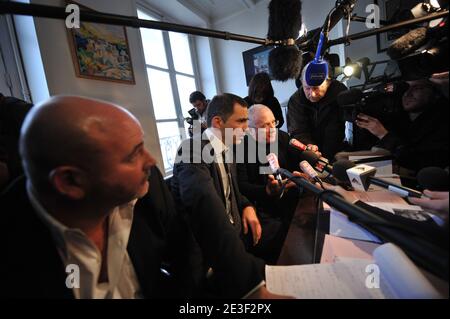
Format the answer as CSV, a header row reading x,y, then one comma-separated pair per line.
x,y
340,226
341,280
402,276
351,278
335,248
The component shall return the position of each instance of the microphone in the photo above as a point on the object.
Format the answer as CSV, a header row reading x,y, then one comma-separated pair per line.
x,y
433,178
275,167
321,164
285,22
362,176
407,43
318,71
308,170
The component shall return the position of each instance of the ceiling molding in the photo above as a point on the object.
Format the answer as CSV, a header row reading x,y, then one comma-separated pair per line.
x,y
188,4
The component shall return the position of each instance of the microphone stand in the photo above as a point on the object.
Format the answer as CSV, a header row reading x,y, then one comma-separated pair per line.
x,y
45,11
423,252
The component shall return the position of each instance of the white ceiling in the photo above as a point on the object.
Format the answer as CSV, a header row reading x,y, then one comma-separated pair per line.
x,y
202,12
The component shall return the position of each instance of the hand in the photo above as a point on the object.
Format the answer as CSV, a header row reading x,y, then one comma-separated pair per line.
x,y
272,187
372,125
249,218
314,148
263,293
438,201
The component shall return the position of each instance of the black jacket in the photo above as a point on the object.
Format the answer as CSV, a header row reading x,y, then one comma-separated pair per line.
x,y
273,104
34,268
253,184
320,123
198,192
424,143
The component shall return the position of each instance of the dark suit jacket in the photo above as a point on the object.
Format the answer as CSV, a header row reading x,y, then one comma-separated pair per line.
x,y
253,184
34,268
320,123
197,189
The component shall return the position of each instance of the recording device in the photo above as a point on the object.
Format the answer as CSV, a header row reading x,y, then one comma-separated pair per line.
x,y
275,167
317,71
321,164
424,50
308,170
285,22
362,176
384,98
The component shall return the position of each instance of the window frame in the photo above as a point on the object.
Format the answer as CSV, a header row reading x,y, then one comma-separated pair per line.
x,y
172,75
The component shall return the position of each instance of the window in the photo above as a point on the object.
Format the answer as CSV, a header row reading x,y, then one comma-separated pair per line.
x,y
171,76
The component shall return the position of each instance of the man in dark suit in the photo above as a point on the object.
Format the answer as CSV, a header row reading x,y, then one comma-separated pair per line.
x,y
93,217
204,176
275,206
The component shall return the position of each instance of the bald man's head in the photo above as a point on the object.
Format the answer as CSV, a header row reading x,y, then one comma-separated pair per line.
x,y
262,123
69,134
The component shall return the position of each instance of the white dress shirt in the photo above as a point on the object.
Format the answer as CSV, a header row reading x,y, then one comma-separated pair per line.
x,y
75,248
221,151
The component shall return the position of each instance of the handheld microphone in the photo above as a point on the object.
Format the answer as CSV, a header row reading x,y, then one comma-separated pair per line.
x,y
362,176
275,167
308,170
285,22
321,164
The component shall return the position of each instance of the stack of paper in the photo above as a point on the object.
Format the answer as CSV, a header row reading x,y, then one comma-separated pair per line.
x,y
391,275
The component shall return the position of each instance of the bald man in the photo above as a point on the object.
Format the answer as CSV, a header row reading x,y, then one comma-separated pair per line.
x,y
93,217
263,190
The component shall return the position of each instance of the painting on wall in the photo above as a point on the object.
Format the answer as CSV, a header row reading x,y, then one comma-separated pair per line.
x,y
393,11
101,52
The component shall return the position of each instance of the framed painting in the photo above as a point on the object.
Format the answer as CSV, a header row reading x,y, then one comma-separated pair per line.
x,y
392,10
101,52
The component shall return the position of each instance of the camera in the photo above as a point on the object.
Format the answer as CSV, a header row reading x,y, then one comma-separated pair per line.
x,y
383,99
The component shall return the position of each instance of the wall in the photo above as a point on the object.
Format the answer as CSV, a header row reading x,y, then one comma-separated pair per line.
x,y
230,66
365,47
60,74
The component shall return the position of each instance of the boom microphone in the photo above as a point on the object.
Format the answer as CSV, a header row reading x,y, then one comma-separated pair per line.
x,y
285,21
407,43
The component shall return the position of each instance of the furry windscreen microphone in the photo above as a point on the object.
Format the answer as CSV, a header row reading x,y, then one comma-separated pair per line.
x,y
408,43
285,22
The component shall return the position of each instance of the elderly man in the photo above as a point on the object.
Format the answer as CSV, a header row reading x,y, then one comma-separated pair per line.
x,y
315,118
275,207
93,217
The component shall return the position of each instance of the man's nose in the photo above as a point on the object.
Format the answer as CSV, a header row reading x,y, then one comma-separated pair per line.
x,y
150,161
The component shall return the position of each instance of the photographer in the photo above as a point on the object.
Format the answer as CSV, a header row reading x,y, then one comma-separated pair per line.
x,y
198,113
425,141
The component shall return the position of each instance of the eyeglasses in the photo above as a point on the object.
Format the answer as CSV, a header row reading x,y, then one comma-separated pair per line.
x,y
271,124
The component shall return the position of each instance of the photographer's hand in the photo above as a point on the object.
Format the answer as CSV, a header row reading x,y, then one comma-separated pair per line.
x,y
372,125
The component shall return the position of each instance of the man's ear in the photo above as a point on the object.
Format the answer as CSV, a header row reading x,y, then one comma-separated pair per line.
x,y
69,181
216,122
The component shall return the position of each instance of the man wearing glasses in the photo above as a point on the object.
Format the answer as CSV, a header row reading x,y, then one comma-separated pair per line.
x,y
275,204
